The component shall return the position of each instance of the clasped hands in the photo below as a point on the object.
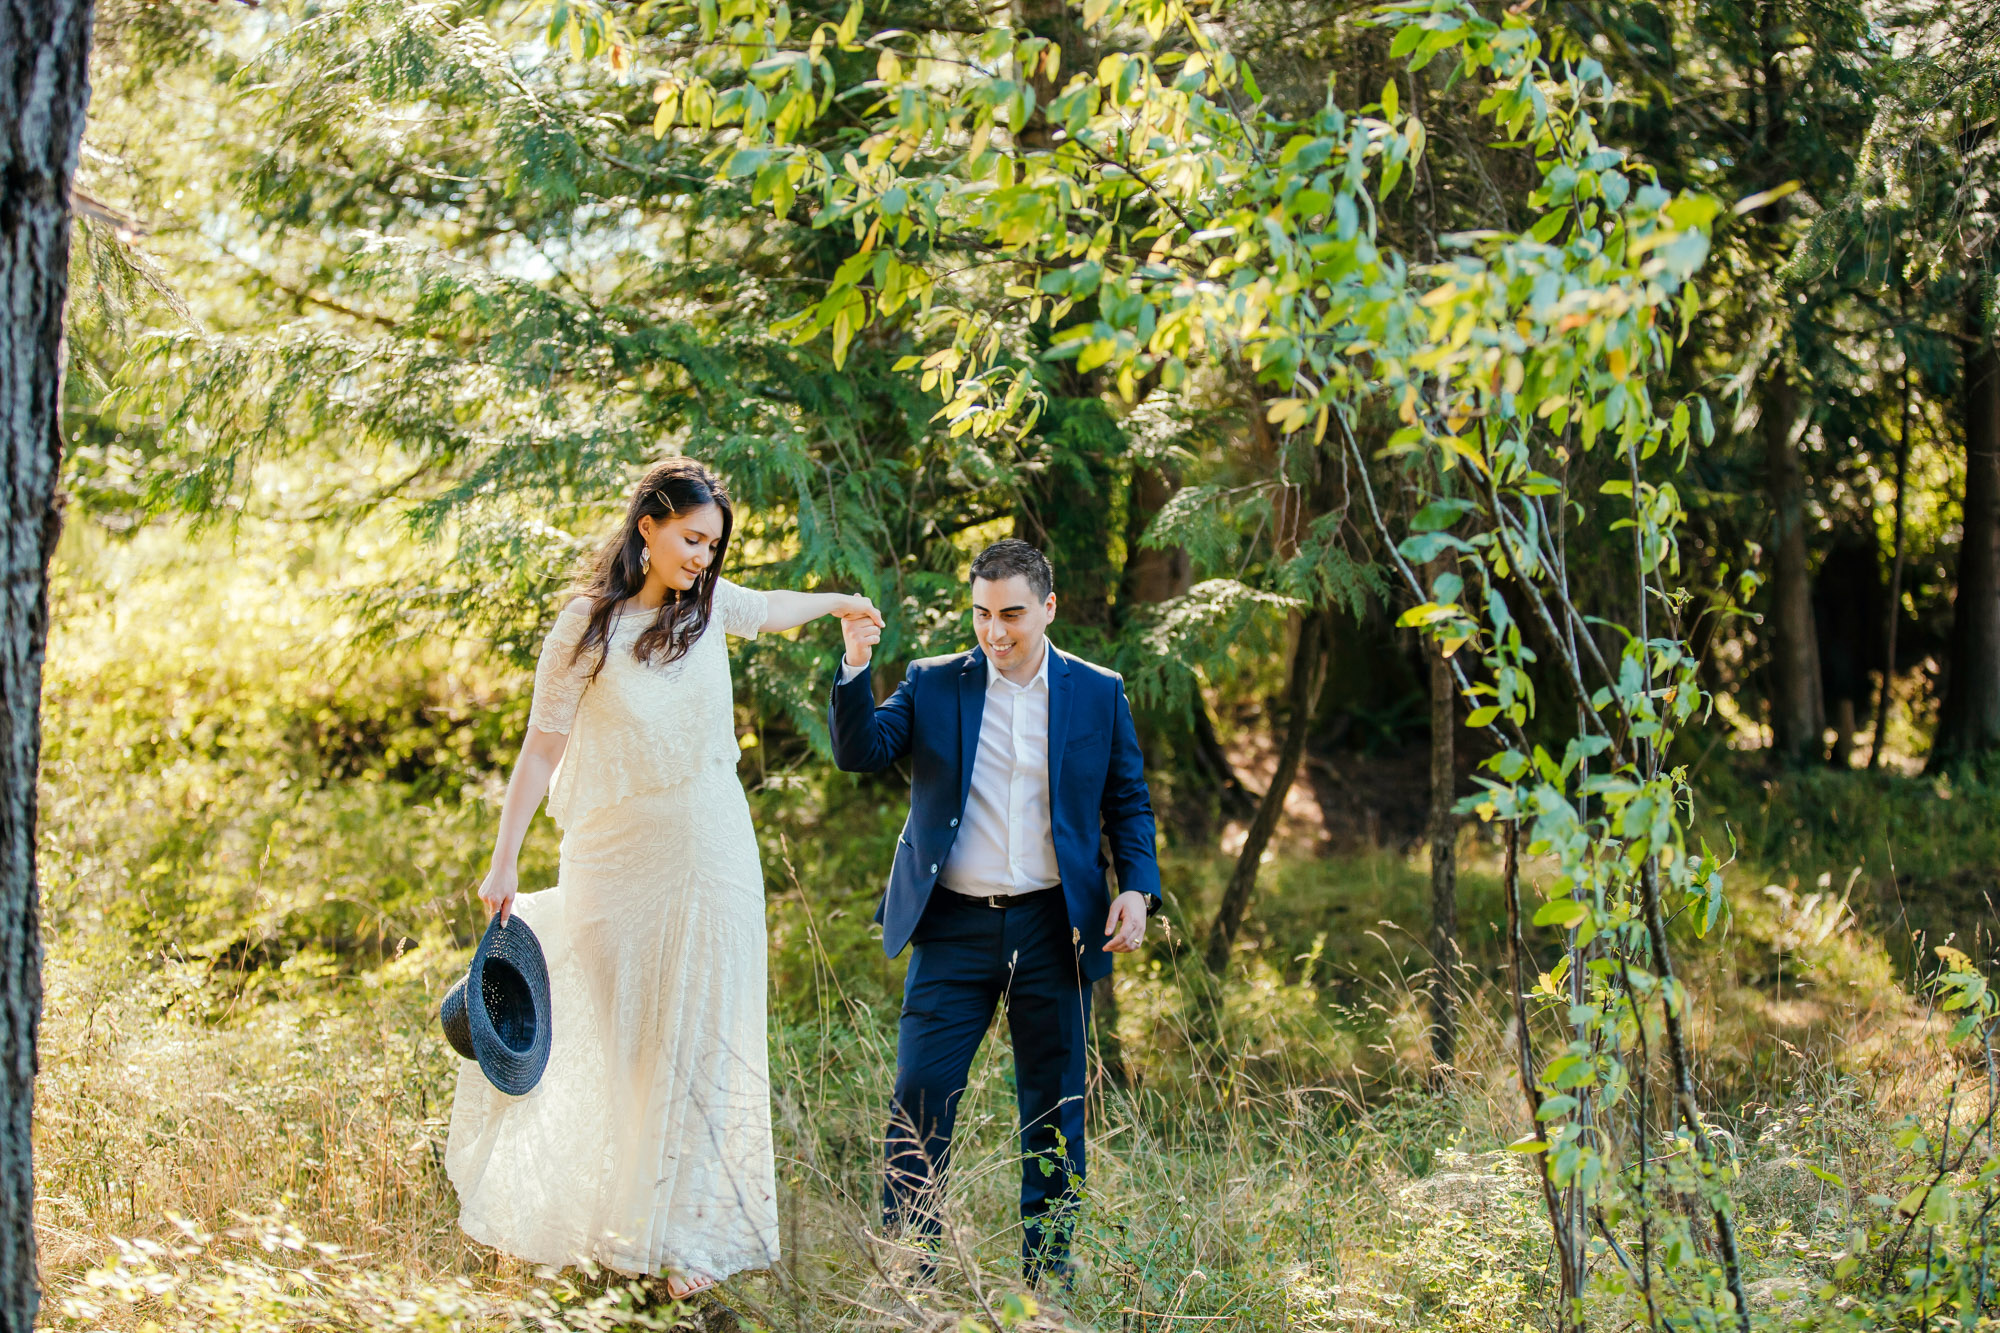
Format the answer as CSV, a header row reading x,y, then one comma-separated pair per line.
x,y
861,627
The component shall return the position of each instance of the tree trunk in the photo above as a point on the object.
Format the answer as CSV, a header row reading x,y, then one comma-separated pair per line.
x,y
1798,710
1062,25
1894,617
1444,862
1843,733
1151,574
44,53
1969,721
1068,528
1307,676
1237,799
1798,716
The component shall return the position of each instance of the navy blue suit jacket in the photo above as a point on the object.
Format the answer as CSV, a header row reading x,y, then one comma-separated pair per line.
x,y
1097,782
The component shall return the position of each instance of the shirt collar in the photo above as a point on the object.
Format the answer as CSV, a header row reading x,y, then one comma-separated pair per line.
x,y
994,680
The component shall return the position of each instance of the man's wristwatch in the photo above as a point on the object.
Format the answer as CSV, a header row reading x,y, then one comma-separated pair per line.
x,y
1154,903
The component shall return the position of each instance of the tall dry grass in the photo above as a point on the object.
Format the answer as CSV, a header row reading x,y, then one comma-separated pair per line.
x,y
256,870
1231,1186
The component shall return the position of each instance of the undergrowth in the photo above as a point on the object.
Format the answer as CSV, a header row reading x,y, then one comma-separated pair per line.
x,y
257,859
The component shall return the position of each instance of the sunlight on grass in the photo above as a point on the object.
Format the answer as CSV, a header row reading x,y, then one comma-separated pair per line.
x,y
257,873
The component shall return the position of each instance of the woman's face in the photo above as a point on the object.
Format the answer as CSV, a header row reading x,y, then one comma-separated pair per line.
x,y
683,545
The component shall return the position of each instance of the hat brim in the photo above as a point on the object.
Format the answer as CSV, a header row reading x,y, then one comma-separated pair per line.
x,y
506,1005
457,1024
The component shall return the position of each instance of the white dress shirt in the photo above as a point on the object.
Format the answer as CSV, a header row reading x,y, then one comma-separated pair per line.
x,y
1006,843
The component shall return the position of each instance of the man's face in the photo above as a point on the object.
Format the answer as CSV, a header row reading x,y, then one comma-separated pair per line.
x,y
1010,622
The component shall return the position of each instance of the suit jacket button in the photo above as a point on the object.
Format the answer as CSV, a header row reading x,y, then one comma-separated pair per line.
x,y
954,823
934,867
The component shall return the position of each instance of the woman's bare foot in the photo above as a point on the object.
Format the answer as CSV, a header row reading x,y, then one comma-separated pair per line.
x,y
681,1287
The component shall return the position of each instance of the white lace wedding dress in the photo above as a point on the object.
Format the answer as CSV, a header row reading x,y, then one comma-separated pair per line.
x,y
647,1144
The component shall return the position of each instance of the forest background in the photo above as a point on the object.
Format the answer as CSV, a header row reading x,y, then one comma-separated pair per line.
x,y
376,309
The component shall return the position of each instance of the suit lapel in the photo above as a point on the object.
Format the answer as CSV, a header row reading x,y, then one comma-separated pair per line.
x,y
971,709
1059,687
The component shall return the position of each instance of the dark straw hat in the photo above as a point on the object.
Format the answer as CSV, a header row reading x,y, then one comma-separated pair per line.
x,y
507,1029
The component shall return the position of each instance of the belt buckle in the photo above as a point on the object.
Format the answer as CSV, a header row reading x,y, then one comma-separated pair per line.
x,y
996,901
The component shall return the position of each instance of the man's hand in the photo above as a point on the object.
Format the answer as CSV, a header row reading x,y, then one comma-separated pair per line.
x,y
862,630
1127,923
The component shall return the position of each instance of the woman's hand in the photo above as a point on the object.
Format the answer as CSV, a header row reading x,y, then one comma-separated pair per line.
x,y
498,890
853,606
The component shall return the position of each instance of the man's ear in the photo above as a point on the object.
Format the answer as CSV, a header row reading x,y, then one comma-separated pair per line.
x,y
1050,606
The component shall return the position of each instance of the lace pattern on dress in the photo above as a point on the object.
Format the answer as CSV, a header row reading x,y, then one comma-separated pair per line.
x,y
741,611
560,675
647,1144
639,727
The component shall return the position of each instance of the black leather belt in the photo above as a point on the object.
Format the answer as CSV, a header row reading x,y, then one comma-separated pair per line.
x,y
1002,901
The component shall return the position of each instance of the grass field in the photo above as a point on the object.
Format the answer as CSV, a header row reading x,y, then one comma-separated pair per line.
x,y
257,855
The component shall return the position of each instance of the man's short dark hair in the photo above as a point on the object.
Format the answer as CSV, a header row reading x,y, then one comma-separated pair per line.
x,y
1010,558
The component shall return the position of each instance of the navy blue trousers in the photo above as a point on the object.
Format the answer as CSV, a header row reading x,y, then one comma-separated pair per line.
x,y
966,958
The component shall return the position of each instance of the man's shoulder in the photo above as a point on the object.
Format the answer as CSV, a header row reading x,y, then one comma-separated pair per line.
x,y
1091,671
942,662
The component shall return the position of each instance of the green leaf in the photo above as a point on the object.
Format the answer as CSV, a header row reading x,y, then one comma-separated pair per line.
x,y
1407,440
1563,912
1427,613
1425,547
1440,514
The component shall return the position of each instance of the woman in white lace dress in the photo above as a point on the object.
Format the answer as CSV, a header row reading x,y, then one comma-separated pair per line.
x,y
646,1146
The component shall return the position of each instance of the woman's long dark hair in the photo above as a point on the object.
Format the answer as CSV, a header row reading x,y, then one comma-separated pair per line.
x,y
672,488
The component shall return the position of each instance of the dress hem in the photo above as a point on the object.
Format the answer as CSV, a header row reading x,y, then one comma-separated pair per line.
x,y
721,1271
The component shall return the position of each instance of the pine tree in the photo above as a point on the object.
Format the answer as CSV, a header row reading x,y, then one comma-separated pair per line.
x,y
44,87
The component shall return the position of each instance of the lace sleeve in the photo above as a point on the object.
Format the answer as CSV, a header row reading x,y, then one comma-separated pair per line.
x,y
560,675
741,610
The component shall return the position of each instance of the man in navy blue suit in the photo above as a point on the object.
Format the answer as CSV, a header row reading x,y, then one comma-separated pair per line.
x,y
1023,767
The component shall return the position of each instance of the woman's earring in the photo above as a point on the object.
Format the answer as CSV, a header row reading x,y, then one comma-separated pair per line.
x,y
645,561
